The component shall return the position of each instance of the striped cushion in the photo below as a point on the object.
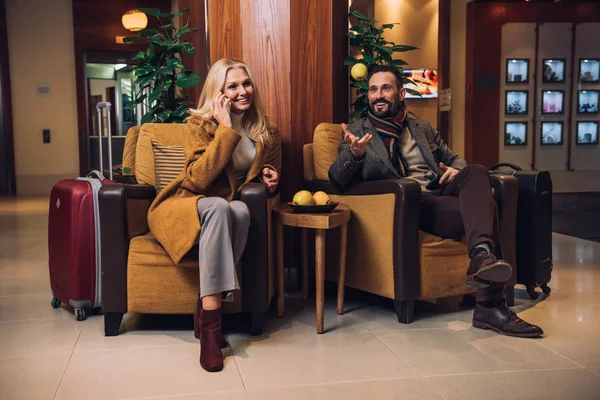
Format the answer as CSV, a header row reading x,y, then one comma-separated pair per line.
x,y
168,163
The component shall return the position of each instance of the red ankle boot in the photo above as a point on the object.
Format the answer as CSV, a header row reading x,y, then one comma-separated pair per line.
x,y
198,324
211,357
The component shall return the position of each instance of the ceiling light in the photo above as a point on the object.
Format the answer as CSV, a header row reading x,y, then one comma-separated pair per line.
x,y
134,20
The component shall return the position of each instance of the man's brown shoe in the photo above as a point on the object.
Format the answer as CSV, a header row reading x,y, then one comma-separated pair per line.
x,y
485,268
504,320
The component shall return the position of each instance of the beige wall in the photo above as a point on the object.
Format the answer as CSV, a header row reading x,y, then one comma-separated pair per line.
x,y
418,26
40,41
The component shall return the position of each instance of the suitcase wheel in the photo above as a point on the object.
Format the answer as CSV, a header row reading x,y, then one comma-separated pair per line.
x,y
546,289
532,292
80,314
55,302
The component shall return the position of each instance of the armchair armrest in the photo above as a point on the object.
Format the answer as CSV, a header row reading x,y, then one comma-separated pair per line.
x,y
255,261
407,279
114,239
506,194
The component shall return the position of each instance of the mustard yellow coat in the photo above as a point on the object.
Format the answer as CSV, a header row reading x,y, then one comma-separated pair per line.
x,y
209,172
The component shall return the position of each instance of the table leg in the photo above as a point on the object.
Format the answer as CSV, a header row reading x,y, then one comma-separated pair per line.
x,y
280,275
342,276
304,264
320,273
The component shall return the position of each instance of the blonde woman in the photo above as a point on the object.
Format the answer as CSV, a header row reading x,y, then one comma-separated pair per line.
x,y
230,143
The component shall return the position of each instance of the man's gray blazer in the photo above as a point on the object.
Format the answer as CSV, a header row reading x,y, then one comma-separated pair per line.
x,y
376,164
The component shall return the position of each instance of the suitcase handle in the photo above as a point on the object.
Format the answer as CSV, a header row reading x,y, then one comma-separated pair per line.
x,y
99,107
510,165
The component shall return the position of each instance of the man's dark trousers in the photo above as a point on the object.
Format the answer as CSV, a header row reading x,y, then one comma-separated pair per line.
x,y
466,206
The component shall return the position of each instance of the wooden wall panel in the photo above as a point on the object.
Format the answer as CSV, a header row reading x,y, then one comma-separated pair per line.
x,y
225,29
312,78
266,49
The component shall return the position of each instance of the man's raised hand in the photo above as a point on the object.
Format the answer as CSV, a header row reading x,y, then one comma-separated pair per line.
x,y
358,146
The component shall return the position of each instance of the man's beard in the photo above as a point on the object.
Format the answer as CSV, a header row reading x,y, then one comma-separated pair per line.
x,y
391,111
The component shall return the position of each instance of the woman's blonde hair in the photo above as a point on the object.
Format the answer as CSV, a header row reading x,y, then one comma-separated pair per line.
x,y
255,120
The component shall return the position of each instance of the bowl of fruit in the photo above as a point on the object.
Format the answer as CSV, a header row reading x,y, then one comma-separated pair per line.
x,y
306,202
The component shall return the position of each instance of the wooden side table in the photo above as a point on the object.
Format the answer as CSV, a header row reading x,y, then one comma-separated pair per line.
x,y
320,222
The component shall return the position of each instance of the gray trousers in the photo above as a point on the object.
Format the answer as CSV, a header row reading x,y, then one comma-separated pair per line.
x,y
222,241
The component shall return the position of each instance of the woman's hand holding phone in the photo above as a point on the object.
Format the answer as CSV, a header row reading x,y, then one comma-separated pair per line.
x,y
222,109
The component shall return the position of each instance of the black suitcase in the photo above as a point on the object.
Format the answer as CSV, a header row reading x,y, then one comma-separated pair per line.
x,y
534,227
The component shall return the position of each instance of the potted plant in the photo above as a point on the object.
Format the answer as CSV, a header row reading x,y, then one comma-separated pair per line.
x,y
161,75
366,38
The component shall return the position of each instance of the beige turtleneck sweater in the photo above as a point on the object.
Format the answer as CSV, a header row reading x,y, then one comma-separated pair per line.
x,y
244,153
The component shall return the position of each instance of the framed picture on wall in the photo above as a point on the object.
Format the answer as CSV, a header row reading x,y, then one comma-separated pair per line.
x,y
589,70
587,102
517,70
552,133
553,101
516,102
515,133
553,70
587,132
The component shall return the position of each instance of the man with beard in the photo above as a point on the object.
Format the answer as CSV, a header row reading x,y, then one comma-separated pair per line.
x,y
456,198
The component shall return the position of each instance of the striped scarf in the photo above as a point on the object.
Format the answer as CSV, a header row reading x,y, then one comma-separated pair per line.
x,y
390,130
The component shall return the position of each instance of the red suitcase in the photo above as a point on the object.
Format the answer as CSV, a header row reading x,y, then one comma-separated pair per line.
x,y
74,237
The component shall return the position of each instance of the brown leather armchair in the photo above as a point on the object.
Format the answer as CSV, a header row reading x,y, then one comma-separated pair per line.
x,y
387,253
138,275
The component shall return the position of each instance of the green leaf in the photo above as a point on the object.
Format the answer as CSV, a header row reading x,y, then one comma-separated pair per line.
x,y
178,14
143,80
361,85
143,70
359,15
162,116
140,99
129,39
187,79
413,92
370,60
397,62
168,27
401,48
148,117
155,95
181,111
166,85
184,9
350,61
184,30
148,32
167,15
157,40
155,12
150,51
188,48
388,26
174,62
386,49
139,56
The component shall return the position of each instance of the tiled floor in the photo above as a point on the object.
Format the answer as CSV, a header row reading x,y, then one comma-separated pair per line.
x,y
365,354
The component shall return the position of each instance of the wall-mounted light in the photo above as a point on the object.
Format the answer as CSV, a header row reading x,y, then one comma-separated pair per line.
x,y
134,20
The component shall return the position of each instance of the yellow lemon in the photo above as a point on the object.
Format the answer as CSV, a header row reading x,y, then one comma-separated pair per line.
x,y
303,198
321,198
359,71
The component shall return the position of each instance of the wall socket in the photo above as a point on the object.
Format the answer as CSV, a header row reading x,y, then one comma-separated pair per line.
x,y
46,135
